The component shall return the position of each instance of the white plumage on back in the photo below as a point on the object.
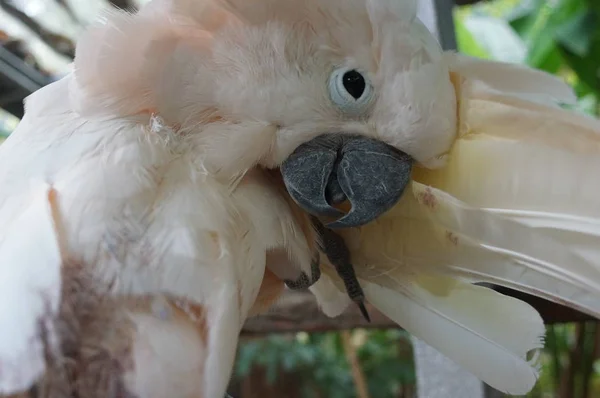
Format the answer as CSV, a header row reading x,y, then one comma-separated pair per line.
x,y
31,285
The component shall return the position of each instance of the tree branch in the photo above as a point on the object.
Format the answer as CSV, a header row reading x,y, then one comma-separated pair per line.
x,y
299,311
567,382
357,373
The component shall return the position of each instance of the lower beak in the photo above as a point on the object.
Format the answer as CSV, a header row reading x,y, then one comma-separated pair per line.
x,y
333,168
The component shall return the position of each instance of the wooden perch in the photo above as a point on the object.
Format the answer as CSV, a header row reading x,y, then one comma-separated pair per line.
x,y
299,311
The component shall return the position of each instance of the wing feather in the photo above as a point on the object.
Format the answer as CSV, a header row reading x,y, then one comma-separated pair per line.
x,y
30,282
493,336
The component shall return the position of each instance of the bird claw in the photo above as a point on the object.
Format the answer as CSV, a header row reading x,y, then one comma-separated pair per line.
x,y
337,252
304,282
363,310
334,247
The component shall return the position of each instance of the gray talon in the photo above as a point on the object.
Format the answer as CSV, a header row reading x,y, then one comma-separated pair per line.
x,y
363,310
301,283
337,252
316,268
304,282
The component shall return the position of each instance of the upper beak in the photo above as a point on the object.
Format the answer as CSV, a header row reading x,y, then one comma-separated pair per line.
x,y
332,168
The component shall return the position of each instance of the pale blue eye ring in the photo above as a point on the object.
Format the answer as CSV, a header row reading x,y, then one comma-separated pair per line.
x,y
350,90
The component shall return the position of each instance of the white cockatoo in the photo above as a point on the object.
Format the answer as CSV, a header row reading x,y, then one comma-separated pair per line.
x,y
203,152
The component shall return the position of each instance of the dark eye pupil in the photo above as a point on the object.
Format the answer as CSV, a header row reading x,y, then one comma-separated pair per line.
x,y
354,83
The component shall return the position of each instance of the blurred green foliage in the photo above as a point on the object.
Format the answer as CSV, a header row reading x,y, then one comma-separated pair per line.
x,y
561,37
319,361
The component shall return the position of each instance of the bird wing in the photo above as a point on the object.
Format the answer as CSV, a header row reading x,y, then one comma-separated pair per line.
x,y
136,214
515,205
30,263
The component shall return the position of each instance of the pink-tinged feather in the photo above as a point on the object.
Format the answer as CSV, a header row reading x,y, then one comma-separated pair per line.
x,y
119,79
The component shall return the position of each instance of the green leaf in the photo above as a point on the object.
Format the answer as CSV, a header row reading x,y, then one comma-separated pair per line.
x,y
577,33
587,68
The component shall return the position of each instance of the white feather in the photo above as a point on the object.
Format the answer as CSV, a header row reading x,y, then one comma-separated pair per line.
x,y
512,78
525,166
493,336
468,323
31,290
503,250
332,300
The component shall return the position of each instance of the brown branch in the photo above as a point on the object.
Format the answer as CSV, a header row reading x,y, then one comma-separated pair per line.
x,y
567,383
58,43
555,354
357,374
589,366
298,311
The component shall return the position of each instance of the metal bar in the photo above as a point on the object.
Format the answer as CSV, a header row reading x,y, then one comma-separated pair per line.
x,y
21,73
17,81
440,377
14,76
445,23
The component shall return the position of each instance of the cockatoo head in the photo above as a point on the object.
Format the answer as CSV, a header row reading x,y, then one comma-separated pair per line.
x,y
344,94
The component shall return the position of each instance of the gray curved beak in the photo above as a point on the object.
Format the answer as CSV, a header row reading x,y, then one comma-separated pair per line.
x,y
333,168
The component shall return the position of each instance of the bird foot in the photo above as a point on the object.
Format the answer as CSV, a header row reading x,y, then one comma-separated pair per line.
x,y
337,252
304,282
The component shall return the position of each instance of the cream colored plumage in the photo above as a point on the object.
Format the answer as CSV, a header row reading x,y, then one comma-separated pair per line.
x,y
515,205
148,178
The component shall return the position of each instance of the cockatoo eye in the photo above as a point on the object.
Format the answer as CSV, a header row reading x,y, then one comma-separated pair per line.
x,y
350,90
354,83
